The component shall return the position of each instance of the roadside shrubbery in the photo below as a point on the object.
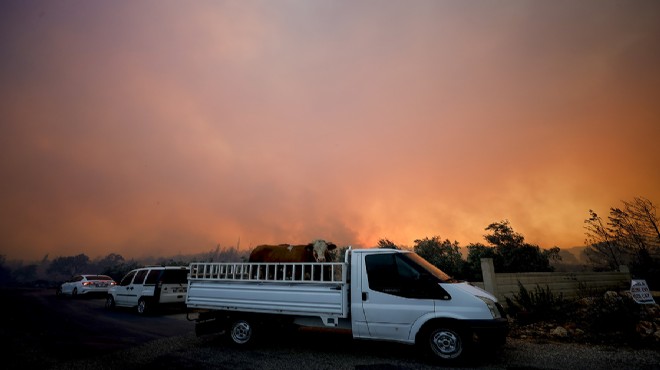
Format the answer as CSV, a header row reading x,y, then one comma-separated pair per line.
x,y
539,304
609,317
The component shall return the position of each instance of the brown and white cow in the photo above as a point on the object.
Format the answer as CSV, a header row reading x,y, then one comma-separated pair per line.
x,y
317,251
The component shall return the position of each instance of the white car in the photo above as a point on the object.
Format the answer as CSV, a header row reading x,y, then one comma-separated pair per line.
x,y
149,288
86,284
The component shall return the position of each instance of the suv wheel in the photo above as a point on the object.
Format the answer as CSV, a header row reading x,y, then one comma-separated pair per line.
x,y
143,306
110,302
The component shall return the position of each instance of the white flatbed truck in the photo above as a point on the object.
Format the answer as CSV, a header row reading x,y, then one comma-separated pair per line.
x,y
379,294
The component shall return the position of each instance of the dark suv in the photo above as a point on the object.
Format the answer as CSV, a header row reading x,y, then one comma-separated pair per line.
x,y
148,288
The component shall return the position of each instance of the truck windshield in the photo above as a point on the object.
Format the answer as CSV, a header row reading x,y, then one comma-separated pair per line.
x,y
428,267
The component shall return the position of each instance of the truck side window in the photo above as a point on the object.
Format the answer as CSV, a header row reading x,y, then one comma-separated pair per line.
x,y
381,273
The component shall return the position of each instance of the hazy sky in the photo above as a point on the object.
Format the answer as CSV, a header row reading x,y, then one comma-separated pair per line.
x,y
165,127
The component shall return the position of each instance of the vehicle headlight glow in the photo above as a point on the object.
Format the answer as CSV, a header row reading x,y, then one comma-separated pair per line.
x,y
491,306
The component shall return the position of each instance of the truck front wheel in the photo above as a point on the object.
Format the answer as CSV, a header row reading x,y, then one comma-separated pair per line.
x,y
446,344
241,332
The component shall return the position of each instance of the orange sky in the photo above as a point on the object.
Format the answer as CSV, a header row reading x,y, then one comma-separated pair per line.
x,y
165,127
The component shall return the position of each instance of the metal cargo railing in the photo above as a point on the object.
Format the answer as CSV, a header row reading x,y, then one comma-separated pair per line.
x,y
300,272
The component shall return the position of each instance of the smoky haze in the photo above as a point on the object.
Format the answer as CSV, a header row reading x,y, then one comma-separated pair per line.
x,y
151,128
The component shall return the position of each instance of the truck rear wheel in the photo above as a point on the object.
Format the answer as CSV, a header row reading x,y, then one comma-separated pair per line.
x,y
445,343
241,332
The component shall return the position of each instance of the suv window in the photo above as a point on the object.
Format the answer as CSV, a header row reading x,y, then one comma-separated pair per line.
x,y
175,276
152,278
139,277
127,279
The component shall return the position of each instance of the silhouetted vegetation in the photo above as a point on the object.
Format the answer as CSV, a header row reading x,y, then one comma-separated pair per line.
x,y
442,254
5,272
386,243
506,247
52,273
539,304
597,317
509,251
630,236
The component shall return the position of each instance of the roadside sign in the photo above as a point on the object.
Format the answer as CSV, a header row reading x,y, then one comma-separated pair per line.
x,y
641,292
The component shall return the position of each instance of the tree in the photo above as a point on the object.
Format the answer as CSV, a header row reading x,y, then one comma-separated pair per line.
x,y
646,263
117,272
630,237
386,243
472,267
5,272
444,255
25,274
68,266
509,252
637,228
643,212
513,254
603,249
109,263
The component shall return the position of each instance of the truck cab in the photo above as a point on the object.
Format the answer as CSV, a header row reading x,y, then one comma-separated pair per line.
x,y
398,296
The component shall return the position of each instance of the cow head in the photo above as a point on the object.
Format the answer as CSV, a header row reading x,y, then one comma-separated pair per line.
x,y
321,250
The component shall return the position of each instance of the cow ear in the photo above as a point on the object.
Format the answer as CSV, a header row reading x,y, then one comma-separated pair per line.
x,y
309,247
331,246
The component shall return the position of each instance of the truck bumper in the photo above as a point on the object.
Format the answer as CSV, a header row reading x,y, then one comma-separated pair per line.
x,y
493,332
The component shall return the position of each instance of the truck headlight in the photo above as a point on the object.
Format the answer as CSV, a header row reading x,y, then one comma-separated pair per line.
x,y
492,306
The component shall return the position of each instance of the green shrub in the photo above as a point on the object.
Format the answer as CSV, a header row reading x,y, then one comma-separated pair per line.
x,y
611,314
537,305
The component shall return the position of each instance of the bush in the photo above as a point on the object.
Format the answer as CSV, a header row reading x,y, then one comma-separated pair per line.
x,y
603,317
612,317
537,305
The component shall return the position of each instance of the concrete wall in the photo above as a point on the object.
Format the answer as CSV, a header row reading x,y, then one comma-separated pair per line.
x,y
569,284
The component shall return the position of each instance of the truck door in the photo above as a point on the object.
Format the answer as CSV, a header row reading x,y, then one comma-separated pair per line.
x,y
394,296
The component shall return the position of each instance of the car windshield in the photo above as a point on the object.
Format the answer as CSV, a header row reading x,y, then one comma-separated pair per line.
x,y
421,262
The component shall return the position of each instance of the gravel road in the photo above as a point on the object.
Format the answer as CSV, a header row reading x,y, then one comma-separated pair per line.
x,y
32,336
311,351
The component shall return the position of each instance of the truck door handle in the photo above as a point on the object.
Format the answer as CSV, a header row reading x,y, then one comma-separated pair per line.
x,y
365,296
